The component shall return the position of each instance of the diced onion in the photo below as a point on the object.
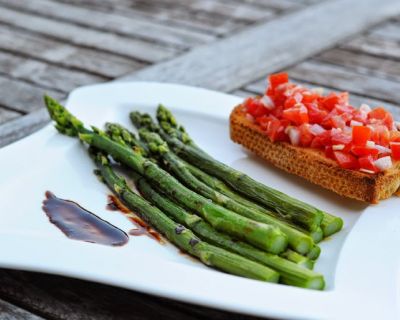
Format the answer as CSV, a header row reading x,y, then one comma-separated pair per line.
x,y
267,102
354,123
316,129
382,149
338,147
383,163
365,108
294,136
370,144
367,171
249,117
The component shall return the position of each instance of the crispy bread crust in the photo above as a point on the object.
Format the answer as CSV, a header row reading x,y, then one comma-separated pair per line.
x,y
312,164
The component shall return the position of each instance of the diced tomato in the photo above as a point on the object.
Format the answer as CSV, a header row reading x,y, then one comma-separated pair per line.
x,y
361,135
330,101
367,163
339,137
309,97
297,114
361,151
277,79
322,140
255,107
346,160
329,152
272,129
305,135
290,102
381,114
315,114
395,147
395,136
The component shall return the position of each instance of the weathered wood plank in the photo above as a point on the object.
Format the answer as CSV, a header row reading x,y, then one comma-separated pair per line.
x,y
171,15
375,46
112,22
390,31
234,65
9,311
356,100
280,5
64,54
45,75
26,97
90,38
6,114
64,298
346,80
362,63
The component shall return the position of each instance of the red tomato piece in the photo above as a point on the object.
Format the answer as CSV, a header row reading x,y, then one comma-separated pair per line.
x,y
361,151
298,114
322,140
329,152
395,147
277,79
346,160
255,107
361,135
305,135
339,137
315,114
367,163
394,136
330,101
272,129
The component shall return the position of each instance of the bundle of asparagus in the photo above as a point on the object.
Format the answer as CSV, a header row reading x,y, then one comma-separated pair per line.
x,y
269,236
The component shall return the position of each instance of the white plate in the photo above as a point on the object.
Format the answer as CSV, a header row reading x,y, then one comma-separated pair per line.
x,y
360,263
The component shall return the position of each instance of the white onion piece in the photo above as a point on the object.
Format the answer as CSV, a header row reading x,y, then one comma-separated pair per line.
x,y
337,147
383,163
365,108
382,149
367,171
294,136
370,144
249,117
354,123
267,102
316,129
318,90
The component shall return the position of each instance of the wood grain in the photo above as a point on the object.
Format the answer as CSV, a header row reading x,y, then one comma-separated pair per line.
x,y
112,22
347,80
67,55
362,63
43,74
7,114
374,46
229,64
390,31
58,297
9,311
108,42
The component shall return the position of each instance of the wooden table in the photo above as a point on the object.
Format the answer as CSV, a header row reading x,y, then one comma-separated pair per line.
x,y
228,45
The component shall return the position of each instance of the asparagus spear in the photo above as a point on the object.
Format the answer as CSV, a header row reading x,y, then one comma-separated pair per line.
x,y
223,188
297,240
290,272
261,235
298,259
330,224
314,253
181,236
287,207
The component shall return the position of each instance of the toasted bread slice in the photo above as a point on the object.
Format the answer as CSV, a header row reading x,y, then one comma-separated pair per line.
x,y
312,164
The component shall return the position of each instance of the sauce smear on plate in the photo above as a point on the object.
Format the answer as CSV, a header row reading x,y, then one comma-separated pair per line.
x,y
80,224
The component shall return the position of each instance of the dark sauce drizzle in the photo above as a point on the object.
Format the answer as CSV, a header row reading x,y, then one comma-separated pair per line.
x,y
142,228
80,224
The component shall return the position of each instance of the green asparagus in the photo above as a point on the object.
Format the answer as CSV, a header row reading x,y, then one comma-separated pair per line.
x,y
290,272
297,240
181,236
261,235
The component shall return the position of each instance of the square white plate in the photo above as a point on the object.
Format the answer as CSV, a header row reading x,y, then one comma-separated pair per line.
x,y
360,264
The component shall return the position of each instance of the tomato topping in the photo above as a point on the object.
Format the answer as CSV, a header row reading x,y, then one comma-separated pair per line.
x,y
277,79
354,138
395,146
367,163
364,151
297,114
346,160
361,135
